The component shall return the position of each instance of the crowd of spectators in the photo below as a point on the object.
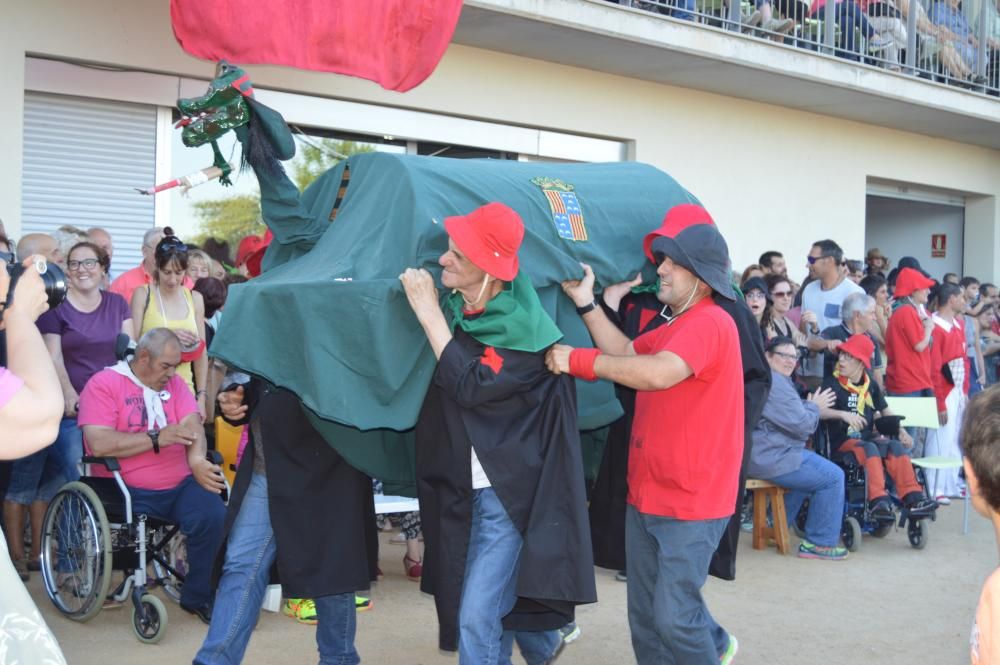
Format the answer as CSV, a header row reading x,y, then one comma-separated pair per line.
x,y
907,332
948,32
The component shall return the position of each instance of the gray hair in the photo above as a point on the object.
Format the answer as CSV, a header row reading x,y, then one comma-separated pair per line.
x,y
148,236
155,341
856,303
68,235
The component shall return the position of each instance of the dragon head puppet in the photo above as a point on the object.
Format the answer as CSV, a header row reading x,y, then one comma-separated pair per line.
x,y
229,104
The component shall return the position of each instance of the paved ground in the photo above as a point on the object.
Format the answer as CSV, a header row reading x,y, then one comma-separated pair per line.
x,y
886,605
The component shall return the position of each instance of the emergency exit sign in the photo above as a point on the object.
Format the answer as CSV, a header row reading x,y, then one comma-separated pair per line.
x,y
939,245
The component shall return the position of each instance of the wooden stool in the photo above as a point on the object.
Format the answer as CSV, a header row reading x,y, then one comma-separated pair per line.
x,y
764,492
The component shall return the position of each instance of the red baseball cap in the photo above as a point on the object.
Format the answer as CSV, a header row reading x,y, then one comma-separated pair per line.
x,y
859,346
909,280
490,237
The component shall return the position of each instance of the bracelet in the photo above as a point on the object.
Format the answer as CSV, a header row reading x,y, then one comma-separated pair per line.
x,y
587,308
201,392
581,363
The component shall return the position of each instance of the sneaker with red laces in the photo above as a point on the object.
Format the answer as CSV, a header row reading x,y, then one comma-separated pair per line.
x,y
808,550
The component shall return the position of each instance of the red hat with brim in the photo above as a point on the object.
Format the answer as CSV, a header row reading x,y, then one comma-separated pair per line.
x,y
489,236
690,238
909,280
859,346
248,246
254,260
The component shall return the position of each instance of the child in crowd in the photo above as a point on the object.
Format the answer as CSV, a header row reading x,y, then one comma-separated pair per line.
x,y
981,448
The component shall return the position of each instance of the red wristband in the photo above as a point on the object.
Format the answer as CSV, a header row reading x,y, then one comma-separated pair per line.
x,y
581,363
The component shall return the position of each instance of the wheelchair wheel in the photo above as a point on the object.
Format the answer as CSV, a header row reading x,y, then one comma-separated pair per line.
x,y
76,552
149,621
918,533
851,533
882,530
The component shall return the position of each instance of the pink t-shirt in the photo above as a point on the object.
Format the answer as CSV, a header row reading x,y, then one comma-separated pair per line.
x,y
10,383
111,400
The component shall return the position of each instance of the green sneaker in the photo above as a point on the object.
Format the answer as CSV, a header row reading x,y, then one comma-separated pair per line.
x,y
809,551
734,646
362,604
302,610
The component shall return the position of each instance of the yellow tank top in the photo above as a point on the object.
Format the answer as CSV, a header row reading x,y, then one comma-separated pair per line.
x,y
156,317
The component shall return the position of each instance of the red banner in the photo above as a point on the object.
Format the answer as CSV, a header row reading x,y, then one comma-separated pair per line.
x,y
396,43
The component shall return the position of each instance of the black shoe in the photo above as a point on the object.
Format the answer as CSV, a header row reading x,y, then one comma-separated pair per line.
x,y
881,510
921,506
204,612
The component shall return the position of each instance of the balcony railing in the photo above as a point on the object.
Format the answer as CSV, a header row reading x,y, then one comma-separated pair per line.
x,y
939,40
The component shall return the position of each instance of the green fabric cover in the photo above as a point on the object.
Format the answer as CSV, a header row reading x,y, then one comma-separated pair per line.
x,y
513,320
328,319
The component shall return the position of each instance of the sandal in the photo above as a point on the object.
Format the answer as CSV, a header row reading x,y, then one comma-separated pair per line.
x,y
414,569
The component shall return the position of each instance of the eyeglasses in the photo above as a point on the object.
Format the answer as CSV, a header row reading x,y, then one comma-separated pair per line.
x,y
781,294
814,259
89,264
786,356
755,295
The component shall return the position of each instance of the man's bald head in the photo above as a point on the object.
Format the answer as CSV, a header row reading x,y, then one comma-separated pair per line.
x,y
39,243
102,239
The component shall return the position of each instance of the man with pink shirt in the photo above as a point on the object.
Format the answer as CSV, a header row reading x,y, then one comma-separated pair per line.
x,y
142,274
145,415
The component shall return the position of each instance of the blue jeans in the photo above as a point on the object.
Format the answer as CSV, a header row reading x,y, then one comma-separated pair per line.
x,y
974,385
250,553
849,17
667,565
536,647
489,589
822,482
36,477
68,448
200,515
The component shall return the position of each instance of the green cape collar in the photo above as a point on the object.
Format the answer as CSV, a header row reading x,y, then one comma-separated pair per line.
x,y
514,319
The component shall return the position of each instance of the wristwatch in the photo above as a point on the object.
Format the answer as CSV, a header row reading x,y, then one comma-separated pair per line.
x,y
154,436
587,308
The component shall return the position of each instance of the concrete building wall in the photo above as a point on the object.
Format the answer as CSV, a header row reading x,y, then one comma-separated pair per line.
x,y
773,178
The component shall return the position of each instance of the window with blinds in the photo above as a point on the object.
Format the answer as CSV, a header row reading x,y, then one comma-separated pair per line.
x,y
82,160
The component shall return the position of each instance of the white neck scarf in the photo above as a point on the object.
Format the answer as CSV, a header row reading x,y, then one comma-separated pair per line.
x,y
155,415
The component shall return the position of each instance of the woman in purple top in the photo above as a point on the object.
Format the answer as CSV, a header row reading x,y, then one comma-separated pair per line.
x,y
80,335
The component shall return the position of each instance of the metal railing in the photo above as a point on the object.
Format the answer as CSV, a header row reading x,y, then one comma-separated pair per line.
x,y
947,41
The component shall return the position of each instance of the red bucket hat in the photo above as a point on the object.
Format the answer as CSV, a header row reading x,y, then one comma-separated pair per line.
x,y
490,237
248,246
860,346
909,280
254,260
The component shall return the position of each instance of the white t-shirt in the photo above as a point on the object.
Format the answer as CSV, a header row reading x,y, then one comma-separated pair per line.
x,y
826,306
479,479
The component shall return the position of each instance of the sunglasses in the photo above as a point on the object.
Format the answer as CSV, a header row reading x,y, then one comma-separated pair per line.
x,y
781,294
89,264
814,259
171,245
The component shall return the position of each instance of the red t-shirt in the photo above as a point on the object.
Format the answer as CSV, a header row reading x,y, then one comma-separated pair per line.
x,y
906,370
687,441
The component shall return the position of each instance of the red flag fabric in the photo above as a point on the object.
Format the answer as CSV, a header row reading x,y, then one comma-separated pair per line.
x,y
396,43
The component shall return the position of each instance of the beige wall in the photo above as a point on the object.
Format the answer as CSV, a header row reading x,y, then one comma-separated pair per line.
x,y
772,178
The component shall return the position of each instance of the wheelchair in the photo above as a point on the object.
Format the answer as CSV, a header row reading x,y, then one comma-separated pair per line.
x,y
90,531
858,518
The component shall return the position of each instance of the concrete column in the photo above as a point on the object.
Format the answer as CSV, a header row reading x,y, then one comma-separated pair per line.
x,y
981,255
11,127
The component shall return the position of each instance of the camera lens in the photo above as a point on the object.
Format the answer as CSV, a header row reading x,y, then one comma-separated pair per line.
x,y
53,278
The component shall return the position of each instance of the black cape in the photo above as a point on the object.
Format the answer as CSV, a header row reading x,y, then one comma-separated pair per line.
x,y
522,421
322,509
637,314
